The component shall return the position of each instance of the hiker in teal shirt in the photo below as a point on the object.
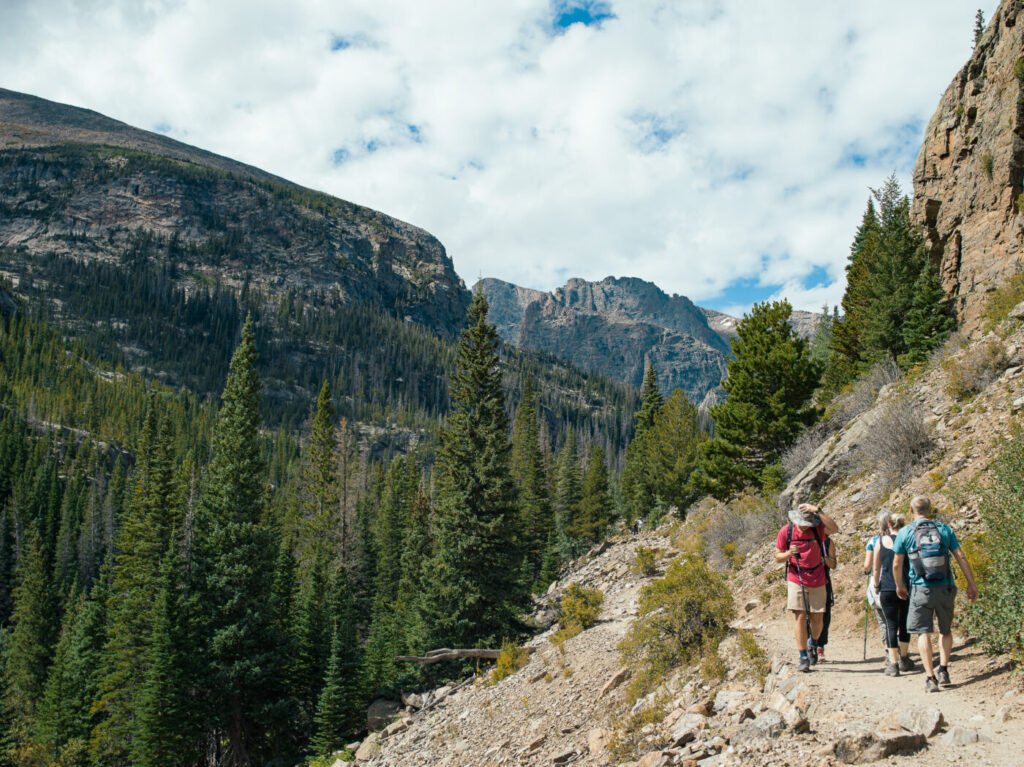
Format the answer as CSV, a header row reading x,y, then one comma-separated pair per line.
x,y
933,597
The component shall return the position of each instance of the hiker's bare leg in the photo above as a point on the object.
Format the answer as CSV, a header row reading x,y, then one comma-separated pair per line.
x,y
924,647
817,621
893,654
800,630
904,649
945,648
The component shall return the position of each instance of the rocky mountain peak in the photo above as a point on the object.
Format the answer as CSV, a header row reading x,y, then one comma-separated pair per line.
x,y
969,174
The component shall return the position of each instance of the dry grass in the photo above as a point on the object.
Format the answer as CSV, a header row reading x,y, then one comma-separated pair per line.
x,y
970,371
899,442
860,395
728,532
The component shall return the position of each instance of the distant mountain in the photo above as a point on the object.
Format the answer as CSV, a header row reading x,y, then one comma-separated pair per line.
x,y
615,326
152,252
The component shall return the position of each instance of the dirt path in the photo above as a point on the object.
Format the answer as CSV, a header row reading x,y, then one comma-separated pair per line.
x,y
853,694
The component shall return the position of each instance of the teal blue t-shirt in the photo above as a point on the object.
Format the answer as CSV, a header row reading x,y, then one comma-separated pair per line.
x,y
905,543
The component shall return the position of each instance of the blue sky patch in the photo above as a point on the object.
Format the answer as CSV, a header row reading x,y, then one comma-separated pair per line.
x,y
340,155
745,292
818,278
339,43
162,127
656,130
589,13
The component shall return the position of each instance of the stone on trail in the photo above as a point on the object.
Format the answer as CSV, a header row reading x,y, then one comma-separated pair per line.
x,y
725,697
865,747
925,721
654,759
960,736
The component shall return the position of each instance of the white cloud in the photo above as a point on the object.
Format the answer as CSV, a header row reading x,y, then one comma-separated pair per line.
x,y
692,144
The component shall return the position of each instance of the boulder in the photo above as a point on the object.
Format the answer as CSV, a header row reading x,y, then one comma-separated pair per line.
x,y
397,726
381,712
1017,312
369,748
724,698
867,746
654,759
564,757
702,707
770,724
926,721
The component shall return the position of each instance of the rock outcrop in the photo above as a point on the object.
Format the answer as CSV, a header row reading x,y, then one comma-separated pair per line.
x,y
969,174
615,327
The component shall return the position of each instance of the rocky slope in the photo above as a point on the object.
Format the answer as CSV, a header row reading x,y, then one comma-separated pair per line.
x,y
76,183
969,174
616,326
569,705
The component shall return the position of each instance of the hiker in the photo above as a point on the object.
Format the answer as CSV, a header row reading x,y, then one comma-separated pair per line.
x,y
895,609
869,567
638,526
801,546
928,545
830,598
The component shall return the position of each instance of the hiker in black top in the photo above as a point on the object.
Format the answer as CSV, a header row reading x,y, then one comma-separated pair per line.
x,y
894,608
830,599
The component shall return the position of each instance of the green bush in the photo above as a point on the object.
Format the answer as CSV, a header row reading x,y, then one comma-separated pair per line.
x,y
987,164
645,562
512,658
580,606
754,656
997,618
682,616
1003,299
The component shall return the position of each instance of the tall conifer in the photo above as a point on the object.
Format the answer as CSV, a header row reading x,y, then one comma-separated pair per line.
x,y
476,594
530,479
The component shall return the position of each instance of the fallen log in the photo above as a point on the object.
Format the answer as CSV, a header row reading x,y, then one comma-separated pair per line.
x,y
435,656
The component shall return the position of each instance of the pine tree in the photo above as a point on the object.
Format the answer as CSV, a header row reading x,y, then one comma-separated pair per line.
x,y
595,511
928,322
164,733
235,553
651,401
770,382
979,27
35,631
331,710
673,451
530,478
8,723
476,594
319,476
568,491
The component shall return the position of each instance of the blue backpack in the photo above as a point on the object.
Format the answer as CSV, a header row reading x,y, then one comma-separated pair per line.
x,y
931,558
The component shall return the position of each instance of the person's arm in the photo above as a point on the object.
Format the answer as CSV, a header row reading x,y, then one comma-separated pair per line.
x,y
877,567
869,559
965,566
897,574
784,555
831,528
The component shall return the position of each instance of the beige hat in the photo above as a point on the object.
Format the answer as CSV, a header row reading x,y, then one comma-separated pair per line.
x,y
804,518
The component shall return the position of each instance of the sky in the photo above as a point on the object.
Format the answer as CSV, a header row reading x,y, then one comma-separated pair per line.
x,y
722,149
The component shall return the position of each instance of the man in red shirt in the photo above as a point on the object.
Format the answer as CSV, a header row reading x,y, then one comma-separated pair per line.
x,y
800,545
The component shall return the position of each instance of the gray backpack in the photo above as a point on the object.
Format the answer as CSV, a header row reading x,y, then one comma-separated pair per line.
x,y
931,558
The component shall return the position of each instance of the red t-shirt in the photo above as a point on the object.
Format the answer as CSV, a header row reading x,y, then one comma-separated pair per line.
x,y
808,555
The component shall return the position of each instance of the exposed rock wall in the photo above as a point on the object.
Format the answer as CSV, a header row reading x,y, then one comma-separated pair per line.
x,y
970,170
615,327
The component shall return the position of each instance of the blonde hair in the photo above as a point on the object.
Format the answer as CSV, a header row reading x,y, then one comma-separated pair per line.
x,y
896,521
883,521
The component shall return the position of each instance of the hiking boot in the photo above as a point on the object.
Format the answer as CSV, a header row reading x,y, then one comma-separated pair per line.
x,y
906,664
804,665
821,655
930,685
812,656
891,669
943,675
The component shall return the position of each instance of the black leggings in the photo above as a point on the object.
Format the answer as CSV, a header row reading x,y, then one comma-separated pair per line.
x,y
895,610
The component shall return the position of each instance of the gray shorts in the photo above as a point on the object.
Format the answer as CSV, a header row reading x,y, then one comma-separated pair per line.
x,y
928,602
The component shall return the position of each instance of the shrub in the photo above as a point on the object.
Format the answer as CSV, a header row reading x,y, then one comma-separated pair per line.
x,y
625,743
973,369
898,441
987,164
683,615
645,562
731,531
997,618
861,395
1018,70
580,606
1003,299
512,658
802,450
712,665
754,656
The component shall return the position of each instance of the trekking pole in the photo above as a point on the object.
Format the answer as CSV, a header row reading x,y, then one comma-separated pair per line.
x,y
867,607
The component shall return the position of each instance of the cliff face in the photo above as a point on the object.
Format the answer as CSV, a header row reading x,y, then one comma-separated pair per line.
x,y
969,173
75,183
615,326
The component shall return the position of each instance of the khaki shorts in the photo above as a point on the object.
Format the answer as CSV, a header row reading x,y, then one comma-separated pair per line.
x,y
816,595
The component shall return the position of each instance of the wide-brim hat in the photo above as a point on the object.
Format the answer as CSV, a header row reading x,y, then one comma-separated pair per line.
x,y
804,518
